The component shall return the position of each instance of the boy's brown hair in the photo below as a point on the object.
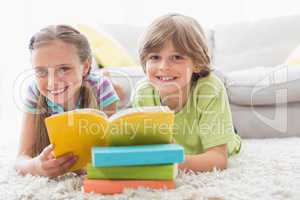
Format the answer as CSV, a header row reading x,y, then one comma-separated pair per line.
x,y
187,37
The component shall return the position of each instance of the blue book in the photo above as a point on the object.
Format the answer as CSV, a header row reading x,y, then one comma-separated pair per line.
x,y
137,155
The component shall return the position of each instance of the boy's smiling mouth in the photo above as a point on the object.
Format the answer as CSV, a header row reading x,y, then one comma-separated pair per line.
x,y
166,78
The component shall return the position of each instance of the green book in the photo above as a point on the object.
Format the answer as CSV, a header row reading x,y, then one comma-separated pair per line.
x,y
145,172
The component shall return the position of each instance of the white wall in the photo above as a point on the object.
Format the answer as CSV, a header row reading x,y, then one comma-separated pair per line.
x,y
20,19
208,12
14,58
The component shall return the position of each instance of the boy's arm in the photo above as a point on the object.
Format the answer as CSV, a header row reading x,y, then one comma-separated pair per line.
x,y
213,157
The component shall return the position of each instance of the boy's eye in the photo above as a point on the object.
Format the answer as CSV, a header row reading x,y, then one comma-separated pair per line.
x,y
177,57
153,57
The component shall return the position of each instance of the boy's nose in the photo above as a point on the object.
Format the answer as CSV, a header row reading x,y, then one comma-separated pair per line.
x,y
164,64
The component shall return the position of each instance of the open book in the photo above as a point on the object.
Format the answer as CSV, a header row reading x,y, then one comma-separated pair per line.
x,y
79,130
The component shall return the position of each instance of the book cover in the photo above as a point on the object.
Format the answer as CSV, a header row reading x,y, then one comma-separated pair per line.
x,y
79,130
146,172
137,155
118,186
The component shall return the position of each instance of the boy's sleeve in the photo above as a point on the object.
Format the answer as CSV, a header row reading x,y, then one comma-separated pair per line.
x,y
137,97
216,122
144,95
106,93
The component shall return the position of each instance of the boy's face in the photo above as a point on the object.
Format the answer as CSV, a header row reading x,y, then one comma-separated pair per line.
x,y
59,71
169,71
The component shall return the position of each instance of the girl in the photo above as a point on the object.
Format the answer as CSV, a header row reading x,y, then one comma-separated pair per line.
x,y
174,56
61,59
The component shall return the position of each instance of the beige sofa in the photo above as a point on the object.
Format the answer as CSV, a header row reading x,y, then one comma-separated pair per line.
x,y
264,93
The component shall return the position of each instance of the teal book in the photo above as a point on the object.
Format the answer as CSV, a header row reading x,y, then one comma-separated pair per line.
x,y
137,155
145,172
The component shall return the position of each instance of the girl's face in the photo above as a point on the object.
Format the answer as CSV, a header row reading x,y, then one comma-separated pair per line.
x,y
169,71
59,71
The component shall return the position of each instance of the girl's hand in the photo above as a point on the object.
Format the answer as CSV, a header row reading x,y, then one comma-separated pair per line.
x,y
46,164
80,172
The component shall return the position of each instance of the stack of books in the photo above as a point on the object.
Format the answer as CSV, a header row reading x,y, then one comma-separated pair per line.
x,y
129,149
115,168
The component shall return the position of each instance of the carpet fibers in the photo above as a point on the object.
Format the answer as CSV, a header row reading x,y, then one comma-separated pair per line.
x,y
267,169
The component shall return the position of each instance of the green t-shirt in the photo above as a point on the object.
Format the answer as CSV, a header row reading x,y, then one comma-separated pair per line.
x,y
205,120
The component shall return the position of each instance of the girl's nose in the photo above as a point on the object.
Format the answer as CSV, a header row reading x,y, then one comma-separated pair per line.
x,y
52,77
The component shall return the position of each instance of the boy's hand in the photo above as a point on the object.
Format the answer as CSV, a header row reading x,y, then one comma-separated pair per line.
x,y
47,165
173,141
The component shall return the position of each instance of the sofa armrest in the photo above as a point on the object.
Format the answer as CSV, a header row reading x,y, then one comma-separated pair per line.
x,y
127,78
264,85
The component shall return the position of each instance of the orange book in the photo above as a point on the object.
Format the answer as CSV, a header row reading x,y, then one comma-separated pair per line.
x,y
117,186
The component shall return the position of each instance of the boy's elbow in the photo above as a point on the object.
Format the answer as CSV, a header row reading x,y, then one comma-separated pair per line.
x,y
223,163
221,157
220,162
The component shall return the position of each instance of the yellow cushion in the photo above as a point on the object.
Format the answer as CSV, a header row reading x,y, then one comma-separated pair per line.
x,y
294,57
106,50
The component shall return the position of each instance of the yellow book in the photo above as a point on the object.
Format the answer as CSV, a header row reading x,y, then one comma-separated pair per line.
x,y
79,130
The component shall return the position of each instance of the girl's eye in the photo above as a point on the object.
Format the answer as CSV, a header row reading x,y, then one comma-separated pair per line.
x,y
41,72
63,70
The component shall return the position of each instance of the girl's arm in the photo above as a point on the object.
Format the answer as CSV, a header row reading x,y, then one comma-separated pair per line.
x,y
117,87
213,157
24,162
44,164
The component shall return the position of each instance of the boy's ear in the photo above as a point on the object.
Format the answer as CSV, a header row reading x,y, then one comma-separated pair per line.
x,y
86,66
196,68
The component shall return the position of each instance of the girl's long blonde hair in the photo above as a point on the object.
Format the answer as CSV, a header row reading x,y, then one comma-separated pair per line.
x,y
69,35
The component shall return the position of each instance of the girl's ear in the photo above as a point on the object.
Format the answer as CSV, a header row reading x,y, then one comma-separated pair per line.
x,y
86,66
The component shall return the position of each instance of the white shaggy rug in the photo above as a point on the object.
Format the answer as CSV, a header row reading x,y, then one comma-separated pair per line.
x,y
266,169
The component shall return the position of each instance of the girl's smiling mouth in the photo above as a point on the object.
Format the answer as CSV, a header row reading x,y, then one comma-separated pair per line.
x,y
57,91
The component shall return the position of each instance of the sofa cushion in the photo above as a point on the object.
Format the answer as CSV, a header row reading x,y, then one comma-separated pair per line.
x,y
264,85
127,35
106,50
244,45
